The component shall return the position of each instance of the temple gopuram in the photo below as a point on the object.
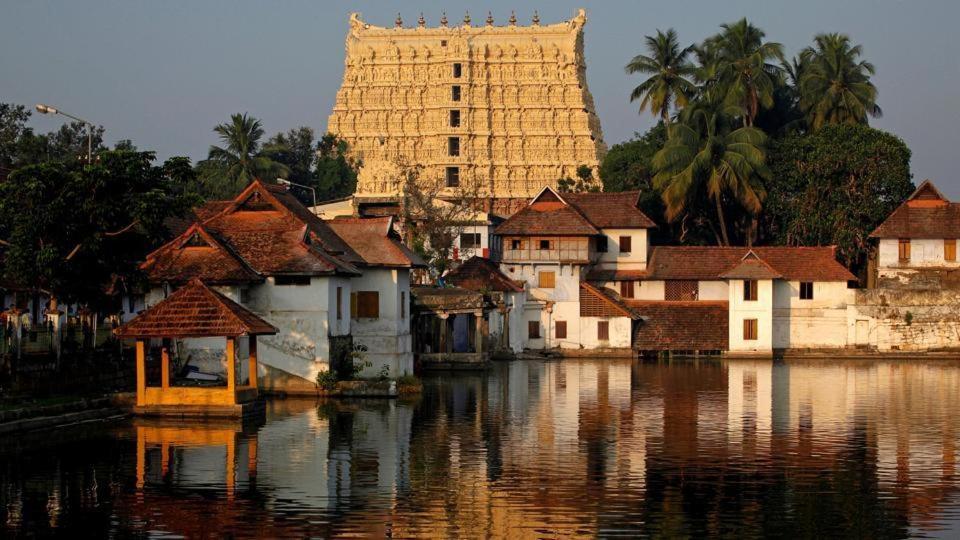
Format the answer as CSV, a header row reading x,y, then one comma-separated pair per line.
x,y
501,110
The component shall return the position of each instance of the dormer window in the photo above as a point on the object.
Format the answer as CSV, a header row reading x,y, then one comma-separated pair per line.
x,y
196,240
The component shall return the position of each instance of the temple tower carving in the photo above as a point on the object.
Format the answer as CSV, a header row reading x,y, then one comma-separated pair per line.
x,y
502,108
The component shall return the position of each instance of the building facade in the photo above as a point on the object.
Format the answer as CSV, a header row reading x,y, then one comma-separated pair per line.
x,y
497,110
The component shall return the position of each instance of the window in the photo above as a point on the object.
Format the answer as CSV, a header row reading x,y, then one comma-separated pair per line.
x,y
453,176
750,329
516,244
950,249
455,93
455,118
603,330
602,244
403,304
453,146
365,305
533,329
443,43
904,249
546,280
806,290
560,332
544,244
244,295
626,289
749,290
680,289
469,240
339,303
457,70
625,244
291,280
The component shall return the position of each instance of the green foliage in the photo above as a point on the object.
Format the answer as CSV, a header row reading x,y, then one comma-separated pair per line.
x,y
72,229
835,85
321,165
327,380
237,163
670,73
629,165
834,187
583,183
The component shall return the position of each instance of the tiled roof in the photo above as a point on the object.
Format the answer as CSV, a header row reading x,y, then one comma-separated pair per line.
x,y
607,301
610,210
575,214
681,326
607,274
710,262
177,225
751,267
197,254
479,274
195,310
925,214
263,231
374,240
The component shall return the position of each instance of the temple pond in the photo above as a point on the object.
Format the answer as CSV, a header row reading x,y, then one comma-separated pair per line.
x,y
530,449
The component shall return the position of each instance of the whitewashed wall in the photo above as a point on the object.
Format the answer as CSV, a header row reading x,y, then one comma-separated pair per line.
x,y
387,337
924,252
761,309
613,258
620,333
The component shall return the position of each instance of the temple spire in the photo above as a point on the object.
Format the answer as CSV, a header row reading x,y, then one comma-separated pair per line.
x,y
489,18
466,19
513,18
443,19
536,18
399,21
421,22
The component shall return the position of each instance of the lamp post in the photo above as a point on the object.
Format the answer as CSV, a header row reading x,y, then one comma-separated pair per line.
x,y
47,109
285,182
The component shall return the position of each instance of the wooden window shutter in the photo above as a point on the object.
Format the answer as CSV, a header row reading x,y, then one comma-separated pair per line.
x,y
561,330
603,330
339,303
625,244
368,305
353,305
533,329
547,280
750,329
904,249
950,249
626,289
750,290
403,304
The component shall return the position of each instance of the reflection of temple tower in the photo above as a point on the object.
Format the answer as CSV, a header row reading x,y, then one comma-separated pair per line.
x,y
505,108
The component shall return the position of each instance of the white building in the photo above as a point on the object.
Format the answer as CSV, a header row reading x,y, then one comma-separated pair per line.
x,y
319,283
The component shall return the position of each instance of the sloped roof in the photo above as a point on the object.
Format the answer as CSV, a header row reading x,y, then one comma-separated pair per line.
x,y
751,267
195,310
575,214
177,225
374,240
611,210
681,326
610,274
198,254
610,303
925,214
710,262
478,274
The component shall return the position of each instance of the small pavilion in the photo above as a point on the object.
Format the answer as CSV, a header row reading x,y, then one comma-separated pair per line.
x,y
196,311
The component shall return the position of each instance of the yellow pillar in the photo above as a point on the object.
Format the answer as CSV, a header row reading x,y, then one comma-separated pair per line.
x,y
165,365
232,367
253,362
141,373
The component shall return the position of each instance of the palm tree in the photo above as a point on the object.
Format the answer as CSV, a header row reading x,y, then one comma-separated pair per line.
x,y
240,158
669,70
702,153
835,86
744,71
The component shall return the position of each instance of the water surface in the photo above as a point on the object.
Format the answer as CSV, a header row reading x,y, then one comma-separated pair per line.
x,y
531,449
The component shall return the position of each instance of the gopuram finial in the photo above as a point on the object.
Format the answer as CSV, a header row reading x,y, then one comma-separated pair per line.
x,y
421,22
399,21
513,18
489,18
443,19
536,18
466,19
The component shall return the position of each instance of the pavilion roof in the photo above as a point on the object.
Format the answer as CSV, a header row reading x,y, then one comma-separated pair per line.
x,y
192,311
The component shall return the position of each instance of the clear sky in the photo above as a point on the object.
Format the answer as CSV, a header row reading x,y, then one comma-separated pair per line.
x,y
163,73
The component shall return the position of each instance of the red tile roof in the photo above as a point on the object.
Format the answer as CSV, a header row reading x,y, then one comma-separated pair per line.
x,y
751,267
263,231
177,225
375,241
710,262
575,214
607,274
479,274
925,214
681,326
603,302
195,310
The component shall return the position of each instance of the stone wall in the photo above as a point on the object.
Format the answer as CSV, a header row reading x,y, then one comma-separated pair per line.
x,y
906,319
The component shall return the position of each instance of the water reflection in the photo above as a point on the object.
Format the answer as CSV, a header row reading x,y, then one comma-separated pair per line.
x,y
531,449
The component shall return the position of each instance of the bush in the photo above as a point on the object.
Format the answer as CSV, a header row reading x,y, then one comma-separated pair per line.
x,y
327,379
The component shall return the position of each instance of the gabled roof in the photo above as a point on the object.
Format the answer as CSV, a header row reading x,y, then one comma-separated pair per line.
x,y
601,301
198,254
480,274
710,262
751,267
192,311
375,241
681,326
575,214
925,214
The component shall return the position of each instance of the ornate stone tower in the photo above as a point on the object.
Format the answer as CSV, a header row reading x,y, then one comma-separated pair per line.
x,y
502,108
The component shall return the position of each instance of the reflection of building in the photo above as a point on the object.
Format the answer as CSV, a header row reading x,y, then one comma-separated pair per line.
x,y
504,108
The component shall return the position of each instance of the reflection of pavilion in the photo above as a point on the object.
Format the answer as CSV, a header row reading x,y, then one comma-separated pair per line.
x,y
195,455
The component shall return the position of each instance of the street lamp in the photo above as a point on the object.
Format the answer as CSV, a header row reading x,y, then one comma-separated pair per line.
x,y
285,182
47,109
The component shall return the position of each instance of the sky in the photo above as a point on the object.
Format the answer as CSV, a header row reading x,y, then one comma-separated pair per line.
x,y
163,73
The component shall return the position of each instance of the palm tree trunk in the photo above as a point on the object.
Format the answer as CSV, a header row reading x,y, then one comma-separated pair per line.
x,y
723,222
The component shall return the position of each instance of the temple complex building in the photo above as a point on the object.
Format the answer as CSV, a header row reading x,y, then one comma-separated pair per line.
x,y
501,111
